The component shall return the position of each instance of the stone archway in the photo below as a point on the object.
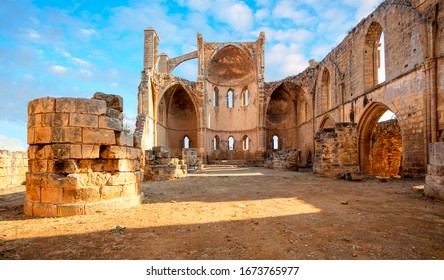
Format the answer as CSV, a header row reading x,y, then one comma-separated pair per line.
x,y
177,118
380,143
282,115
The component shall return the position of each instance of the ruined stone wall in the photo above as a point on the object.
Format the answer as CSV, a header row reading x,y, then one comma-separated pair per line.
x,y
161,166
336,150
288,159
80,159
13,168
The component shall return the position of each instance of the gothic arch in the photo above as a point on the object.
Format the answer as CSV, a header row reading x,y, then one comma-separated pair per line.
x,y
327,122
366,129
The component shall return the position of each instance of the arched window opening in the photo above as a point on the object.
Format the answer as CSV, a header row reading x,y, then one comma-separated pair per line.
x,y
231,143
245,143
186,142
374,56
215,97
245,97
326,96
230,99
275,142
381,59
216,141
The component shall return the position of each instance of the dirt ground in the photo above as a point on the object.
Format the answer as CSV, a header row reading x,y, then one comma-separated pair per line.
x,y
242,213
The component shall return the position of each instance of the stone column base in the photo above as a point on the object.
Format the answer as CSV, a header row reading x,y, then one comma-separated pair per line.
x,y
38,209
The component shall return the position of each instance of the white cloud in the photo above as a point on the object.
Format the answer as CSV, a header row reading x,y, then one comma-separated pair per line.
x,y
261,14
86,73
57,69
288,10
88,32
75,60
12,144
284,60
81,62
364,7
238,15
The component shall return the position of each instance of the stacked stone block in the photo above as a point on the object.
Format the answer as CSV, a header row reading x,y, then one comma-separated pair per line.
x,y
160,166
336,150
13,168
435,171
80,159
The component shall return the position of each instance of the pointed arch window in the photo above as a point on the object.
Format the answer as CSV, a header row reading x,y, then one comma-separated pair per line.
x,y
215,97
245,97
216,143
374,56
231,143
245,143
186,142
326,95
230,99
275,142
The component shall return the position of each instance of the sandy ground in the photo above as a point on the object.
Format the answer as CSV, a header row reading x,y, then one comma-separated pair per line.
x,y
242,213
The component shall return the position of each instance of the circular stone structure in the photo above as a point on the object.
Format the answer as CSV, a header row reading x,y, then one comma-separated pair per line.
x,y
80,159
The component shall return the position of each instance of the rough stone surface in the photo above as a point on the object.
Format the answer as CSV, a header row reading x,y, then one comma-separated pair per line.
x,y
434,186
13,167
79,160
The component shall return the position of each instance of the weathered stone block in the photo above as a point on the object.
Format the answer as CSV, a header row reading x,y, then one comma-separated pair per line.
x,y
125,139
111,192
80,106
129,190
66,135
33,193
41,105
83,120
98,136
114,152
134,153
80,195
60,181
55,120
112,101
38,165
118,178
100,207
42,135
90,151
110,123
44,210
51,195
112,113
37,179
70,210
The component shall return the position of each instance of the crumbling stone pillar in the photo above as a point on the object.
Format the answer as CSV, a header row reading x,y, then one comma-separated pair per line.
x,y
435,171
80,159
336,150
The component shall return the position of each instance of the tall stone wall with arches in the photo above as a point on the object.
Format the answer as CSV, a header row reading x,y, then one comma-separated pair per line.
x,y
393,60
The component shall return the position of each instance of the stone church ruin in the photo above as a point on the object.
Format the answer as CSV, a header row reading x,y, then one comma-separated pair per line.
x,y
326,118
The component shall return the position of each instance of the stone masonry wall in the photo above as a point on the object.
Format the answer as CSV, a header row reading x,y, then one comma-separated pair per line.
x,y
435,171
387,149
80,159
336,150
13,168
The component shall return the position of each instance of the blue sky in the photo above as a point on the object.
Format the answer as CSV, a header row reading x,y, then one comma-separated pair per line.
x,y
75,48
